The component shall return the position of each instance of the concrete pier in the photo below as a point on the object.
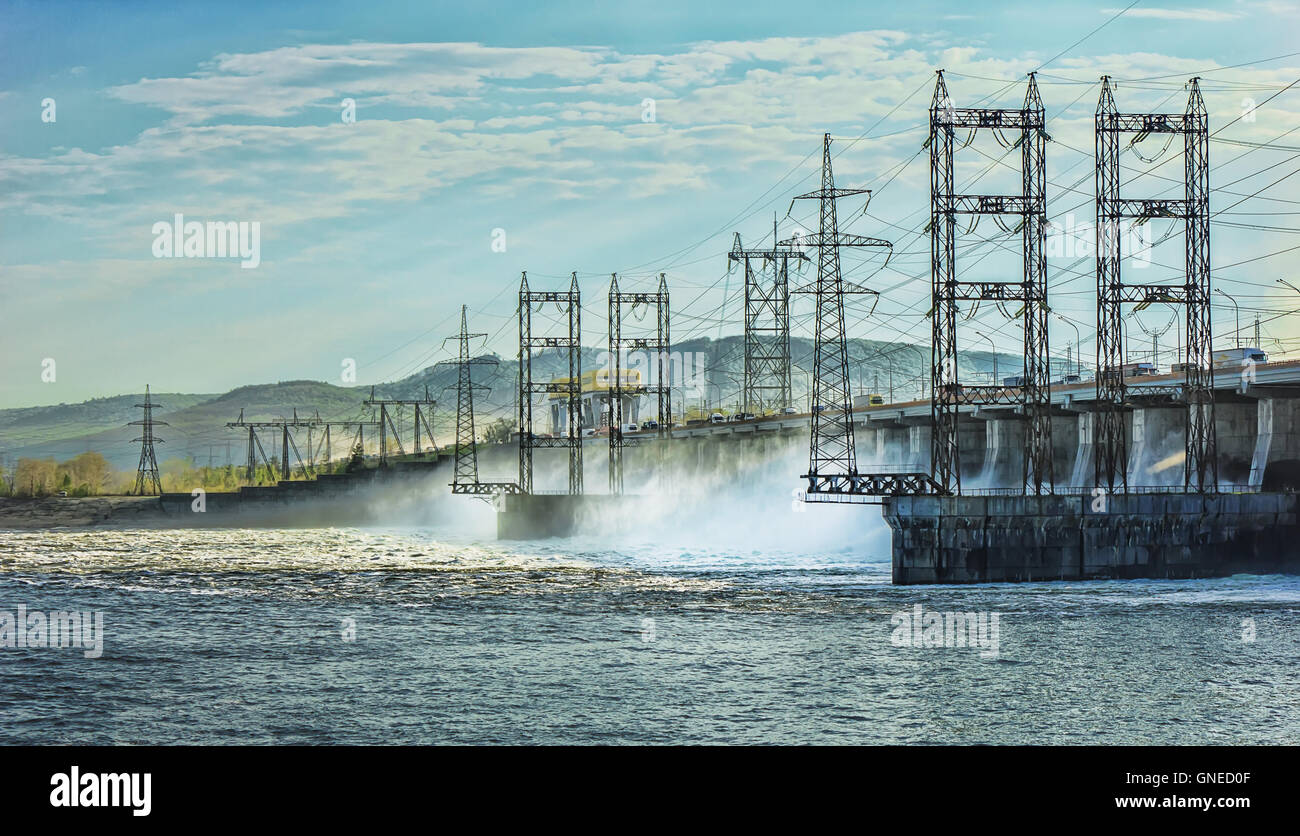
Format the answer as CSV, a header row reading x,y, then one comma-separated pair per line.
x,y
540,515
990,539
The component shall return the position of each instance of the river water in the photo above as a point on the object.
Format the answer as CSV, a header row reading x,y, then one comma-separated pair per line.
x,y
736,626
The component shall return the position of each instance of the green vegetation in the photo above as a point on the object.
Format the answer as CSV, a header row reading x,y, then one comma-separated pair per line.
x,y
357,460
498,432
195,423
86,474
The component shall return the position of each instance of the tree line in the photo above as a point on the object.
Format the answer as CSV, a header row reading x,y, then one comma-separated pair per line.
x,y
90,474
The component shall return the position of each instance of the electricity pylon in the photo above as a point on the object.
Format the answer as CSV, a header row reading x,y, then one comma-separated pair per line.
x,y
767,323
465,479
655,347
1200,467
570,303
1033,394
146,476
832,460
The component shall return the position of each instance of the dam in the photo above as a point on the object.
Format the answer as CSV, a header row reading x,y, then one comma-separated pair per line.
x,y
992,532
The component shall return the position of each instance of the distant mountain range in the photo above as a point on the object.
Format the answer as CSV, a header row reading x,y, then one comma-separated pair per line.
x,y
196,422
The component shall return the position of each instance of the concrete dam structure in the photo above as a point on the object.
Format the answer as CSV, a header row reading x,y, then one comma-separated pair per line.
x,y
979,539
363,497
1257,424
992,532
1153,529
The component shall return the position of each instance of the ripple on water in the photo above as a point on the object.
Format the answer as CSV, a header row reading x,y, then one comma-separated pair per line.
x,y
233,635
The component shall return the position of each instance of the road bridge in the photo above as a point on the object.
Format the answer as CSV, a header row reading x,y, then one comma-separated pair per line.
x,y
1257,417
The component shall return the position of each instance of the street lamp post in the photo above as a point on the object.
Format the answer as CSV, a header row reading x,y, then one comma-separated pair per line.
x,y
921,376
1237,335
1078,348
808,376
994,349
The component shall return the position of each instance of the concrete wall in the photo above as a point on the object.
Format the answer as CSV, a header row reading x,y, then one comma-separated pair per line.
x,y
981,539
973,445
1082,470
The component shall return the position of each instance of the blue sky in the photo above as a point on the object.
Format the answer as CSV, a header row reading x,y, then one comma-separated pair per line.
x,y
528,118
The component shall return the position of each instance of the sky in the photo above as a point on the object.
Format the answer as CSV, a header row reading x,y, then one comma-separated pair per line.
x,y
485,139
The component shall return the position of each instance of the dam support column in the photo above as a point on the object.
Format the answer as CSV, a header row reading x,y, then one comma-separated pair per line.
x,y
1065,448
918,448
1004,444
1263,441
1082,473
1159,446
897,445
970,449
873,444
1275,464
1237,434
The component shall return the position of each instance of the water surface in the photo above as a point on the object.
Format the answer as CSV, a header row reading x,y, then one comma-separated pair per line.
x,y
238,635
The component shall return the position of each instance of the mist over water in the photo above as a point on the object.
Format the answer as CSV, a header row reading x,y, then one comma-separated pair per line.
x,y
745,510
729,503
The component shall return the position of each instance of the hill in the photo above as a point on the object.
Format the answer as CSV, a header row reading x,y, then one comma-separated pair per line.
x,y
196,422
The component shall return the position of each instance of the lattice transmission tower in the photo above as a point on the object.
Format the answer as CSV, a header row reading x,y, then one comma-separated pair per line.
x,y
422,419
146,475
1155,334
832,460
274,469
465,479
1200,467
570,305
619,383
1033,395
766,383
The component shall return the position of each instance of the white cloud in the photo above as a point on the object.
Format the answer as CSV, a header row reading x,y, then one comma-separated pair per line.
x,y
256,136
1202,15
